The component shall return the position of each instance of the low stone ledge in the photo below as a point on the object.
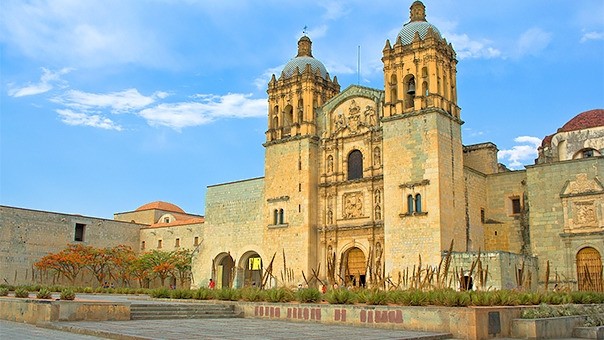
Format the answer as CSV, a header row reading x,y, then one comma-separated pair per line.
x,y
34,311
589,332
475,323
546,328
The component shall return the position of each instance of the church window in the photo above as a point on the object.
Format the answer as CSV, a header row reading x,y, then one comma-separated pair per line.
x,y
418,203
281,216
355,165
275,216
177,243
424,72
410,203
425,88
79,232
143,245
196,241
166,219
159,244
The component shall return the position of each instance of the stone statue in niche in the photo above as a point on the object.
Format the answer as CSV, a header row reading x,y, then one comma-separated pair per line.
x,y
378,212
329,217
329,164
370,116
354,117
353,204
378,260
377,157
378,197
339,122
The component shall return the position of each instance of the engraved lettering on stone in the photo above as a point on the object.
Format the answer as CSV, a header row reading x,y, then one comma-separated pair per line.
x,y
353,204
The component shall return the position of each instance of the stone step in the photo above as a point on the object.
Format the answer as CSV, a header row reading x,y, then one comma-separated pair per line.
x,y
182,311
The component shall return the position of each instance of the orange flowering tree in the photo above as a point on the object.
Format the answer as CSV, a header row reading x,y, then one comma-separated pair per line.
x,y
69,262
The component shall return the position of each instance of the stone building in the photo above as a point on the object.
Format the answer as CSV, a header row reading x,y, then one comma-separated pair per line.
x,y
363,184
28,235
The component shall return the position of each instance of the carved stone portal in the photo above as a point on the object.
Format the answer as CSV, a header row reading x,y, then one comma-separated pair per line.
x,y
353,204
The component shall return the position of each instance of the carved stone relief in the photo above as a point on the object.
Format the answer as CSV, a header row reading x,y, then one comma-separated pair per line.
x,y
352,205
585,213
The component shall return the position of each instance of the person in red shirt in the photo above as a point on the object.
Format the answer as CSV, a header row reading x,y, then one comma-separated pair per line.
x,y
212,284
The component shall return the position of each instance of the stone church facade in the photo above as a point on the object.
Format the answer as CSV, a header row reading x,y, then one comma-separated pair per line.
x,y
364,184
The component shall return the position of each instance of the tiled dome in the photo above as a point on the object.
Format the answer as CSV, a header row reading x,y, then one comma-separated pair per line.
x,y
301,62
304,58
159,205
408,32
417,23
584,120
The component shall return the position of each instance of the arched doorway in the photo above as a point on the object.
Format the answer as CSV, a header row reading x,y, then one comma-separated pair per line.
x,y
252,269
356,267
224,270
589,270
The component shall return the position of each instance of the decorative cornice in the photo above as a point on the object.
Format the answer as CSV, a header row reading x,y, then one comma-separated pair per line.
x,y
411,185
278,199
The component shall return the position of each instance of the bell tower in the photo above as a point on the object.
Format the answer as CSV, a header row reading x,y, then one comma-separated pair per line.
x,y
420,69
422,149
292,159
303,86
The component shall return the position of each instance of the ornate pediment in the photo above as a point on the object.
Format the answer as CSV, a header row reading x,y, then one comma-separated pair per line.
x,y
582,185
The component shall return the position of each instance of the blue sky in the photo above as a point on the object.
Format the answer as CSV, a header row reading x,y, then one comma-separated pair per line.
x,y
108,105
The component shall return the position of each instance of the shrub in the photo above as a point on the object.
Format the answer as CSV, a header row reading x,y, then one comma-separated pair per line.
x,y
204,294
228,294
67,294
279,295
88,290
44,293
340,296
252,294
308,295
181,294
21,292
160,293
3,291
376,297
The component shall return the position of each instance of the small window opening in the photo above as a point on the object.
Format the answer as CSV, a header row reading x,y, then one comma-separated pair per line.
x,y
410,204
166,219
159,245
143,245
482,218
516,207
281,216
275,216
495,232
196,241
418,203
299,208
177,243
299,187
79,232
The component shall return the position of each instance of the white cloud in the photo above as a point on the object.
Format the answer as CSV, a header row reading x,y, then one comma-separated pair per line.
x,y
117,102
204,111
468,48
592,36
73,118
82,33
45,84
532,41
261,81
521,154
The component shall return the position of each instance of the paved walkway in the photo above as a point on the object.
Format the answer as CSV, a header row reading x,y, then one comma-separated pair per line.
x,y
202,329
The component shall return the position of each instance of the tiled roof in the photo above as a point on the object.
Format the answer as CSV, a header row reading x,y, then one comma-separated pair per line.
x,y
197,220
584,120
159,205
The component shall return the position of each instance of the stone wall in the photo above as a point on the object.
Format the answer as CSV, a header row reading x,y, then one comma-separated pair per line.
x,y
234,226
566,214
28,235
